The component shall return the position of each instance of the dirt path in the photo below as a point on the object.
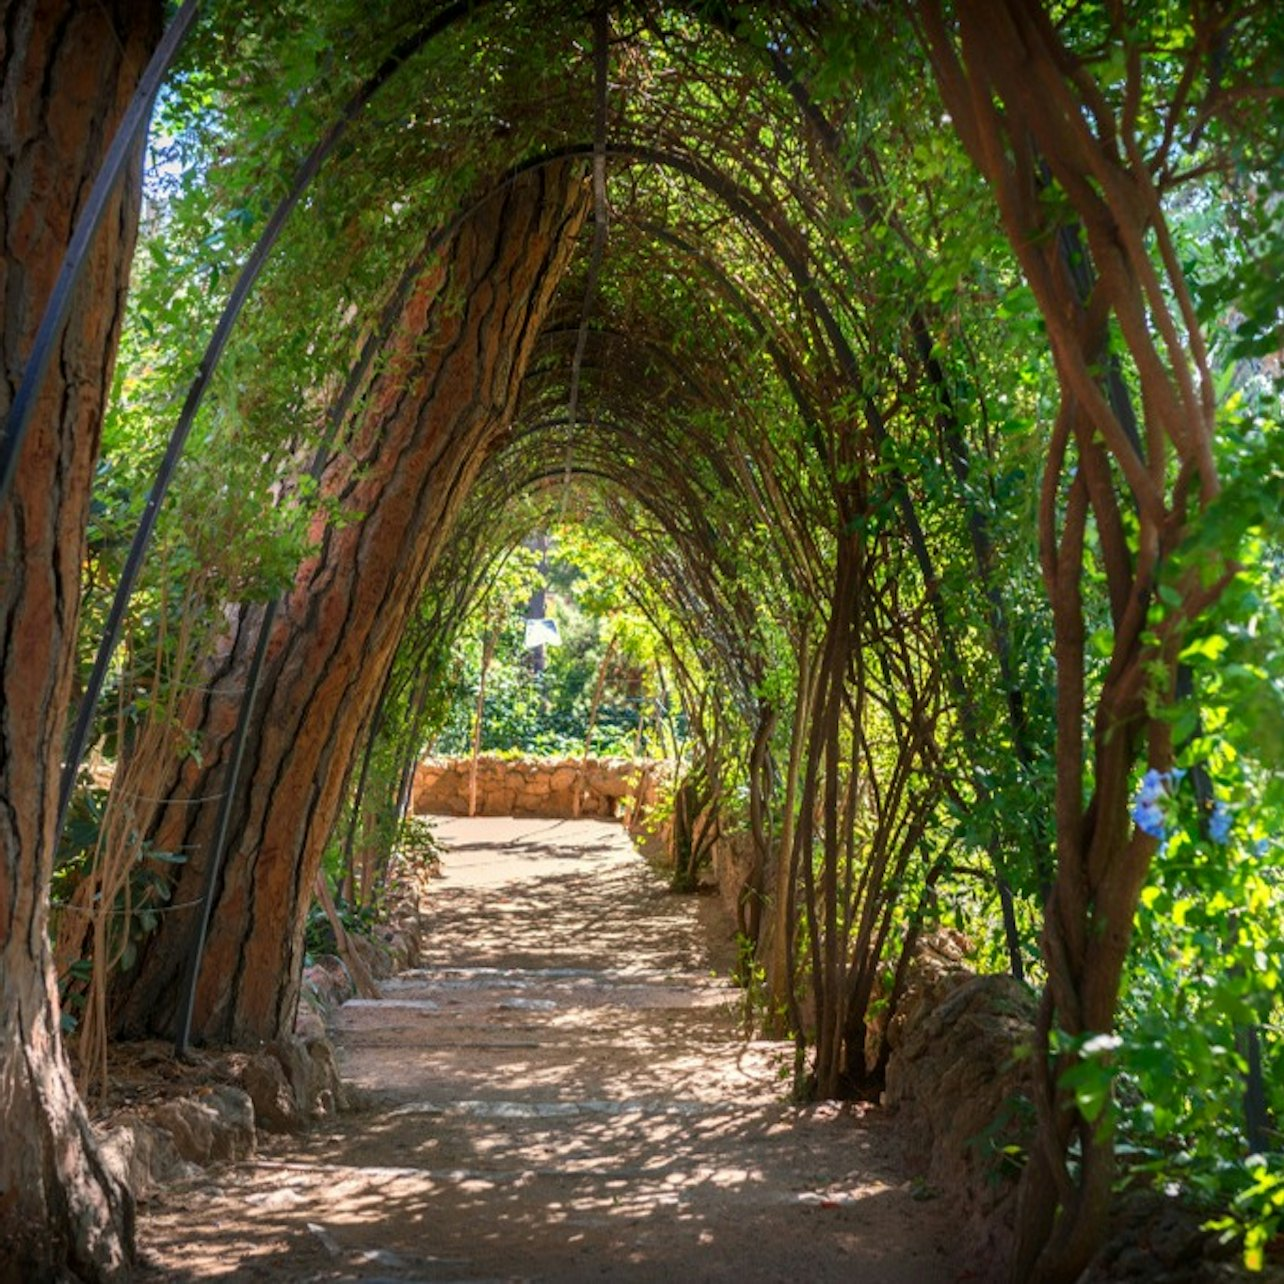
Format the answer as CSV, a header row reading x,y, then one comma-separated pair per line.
x,y
560,1093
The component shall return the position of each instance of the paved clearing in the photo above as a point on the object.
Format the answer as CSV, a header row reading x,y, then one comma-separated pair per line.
x,y
561,1092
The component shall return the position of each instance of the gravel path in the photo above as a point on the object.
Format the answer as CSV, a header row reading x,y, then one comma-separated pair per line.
x,y
561,1092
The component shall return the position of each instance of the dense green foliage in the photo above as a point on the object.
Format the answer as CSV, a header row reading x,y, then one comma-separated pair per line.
x,y
543,705
791,442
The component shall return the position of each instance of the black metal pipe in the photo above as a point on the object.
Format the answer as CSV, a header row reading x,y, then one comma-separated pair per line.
x,y
132,127
249,274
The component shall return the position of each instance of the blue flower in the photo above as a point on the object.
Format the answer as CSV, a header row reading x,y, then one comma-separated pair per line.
x,y
1152,786
1149,817
1152,794
1219,822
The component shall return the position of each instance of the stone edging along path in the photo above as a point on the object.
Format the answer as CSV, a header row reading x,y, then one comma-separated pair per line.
x,y
559,1090
166,1120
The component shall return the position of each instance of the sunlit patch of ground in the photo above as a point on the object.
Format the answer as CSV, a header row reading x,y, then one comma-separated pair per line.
x,y
560,1092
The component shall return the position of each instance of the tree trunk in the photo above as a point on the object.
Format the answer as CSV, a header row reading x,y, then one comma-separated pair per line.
x,y
782,1011
479,713
447,389
1018,98
577,796
366,986
753,895
69,68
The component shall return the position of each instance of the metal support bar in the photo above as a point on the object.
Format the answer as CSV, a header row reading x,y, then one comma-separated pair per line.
x,y
132,127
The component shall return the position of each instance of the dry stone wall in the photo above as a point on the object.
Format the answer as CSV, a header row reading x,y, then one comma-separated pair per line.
x,y
958,1079
607,787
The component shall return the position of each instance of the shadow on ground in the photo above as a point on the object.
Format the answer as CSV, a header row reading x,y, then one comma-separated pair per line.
x,y
560,1093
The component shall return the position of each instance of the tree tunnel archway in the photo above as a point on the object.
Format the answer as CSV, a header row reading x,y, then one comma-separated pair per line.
x,y
142,1010
761,350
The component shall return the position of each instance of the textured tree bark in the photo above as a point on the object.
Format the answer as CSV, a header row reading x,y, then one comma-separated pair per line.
x,y
67,71
448,387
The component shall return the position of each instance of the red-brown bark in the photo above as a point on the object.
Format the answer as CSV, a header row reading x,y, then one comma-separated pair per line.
x,y
449,385
67,70
1031,116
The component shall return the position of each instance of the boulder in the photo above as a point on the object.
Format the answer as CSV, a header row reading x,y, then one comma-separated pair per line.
x,y
328,982
276,1108
1157,1239
216,1124
377,960
291,1082
142,1154
562,777
397,946
308,1023
326,1095
939,965
958,1079
733,857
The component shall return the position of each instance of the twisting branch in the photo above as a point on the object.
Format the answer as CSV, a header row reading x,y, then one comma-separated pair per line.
x,y
601,63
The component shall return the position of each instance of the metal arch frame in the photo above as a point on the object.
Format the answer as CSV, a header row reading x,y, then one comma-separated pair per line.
x,y
131,130
249,274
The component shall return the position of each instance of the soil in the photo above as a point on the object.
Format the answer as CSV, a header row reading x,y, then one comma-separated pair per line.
x,y
563,1091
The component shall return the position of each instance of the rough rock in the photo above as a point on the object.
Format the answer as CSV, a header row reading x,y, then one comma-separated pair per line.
x,y
537,786
1156,1239
378,962
142,1154
327,982
326,1093
939,966
275,1106
958,1081
308,1023
733,857
400,943
561,777
961,1091
312,1074
216,1124
290,1081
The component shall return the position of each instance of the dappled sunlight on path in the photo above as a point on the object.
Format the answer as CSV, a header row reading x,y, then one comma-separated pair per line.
x,y
562,1092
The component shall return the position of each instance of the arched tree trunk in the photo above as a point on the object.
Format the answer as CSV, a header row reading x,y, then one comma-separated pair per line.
x,y
448,387
68,69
